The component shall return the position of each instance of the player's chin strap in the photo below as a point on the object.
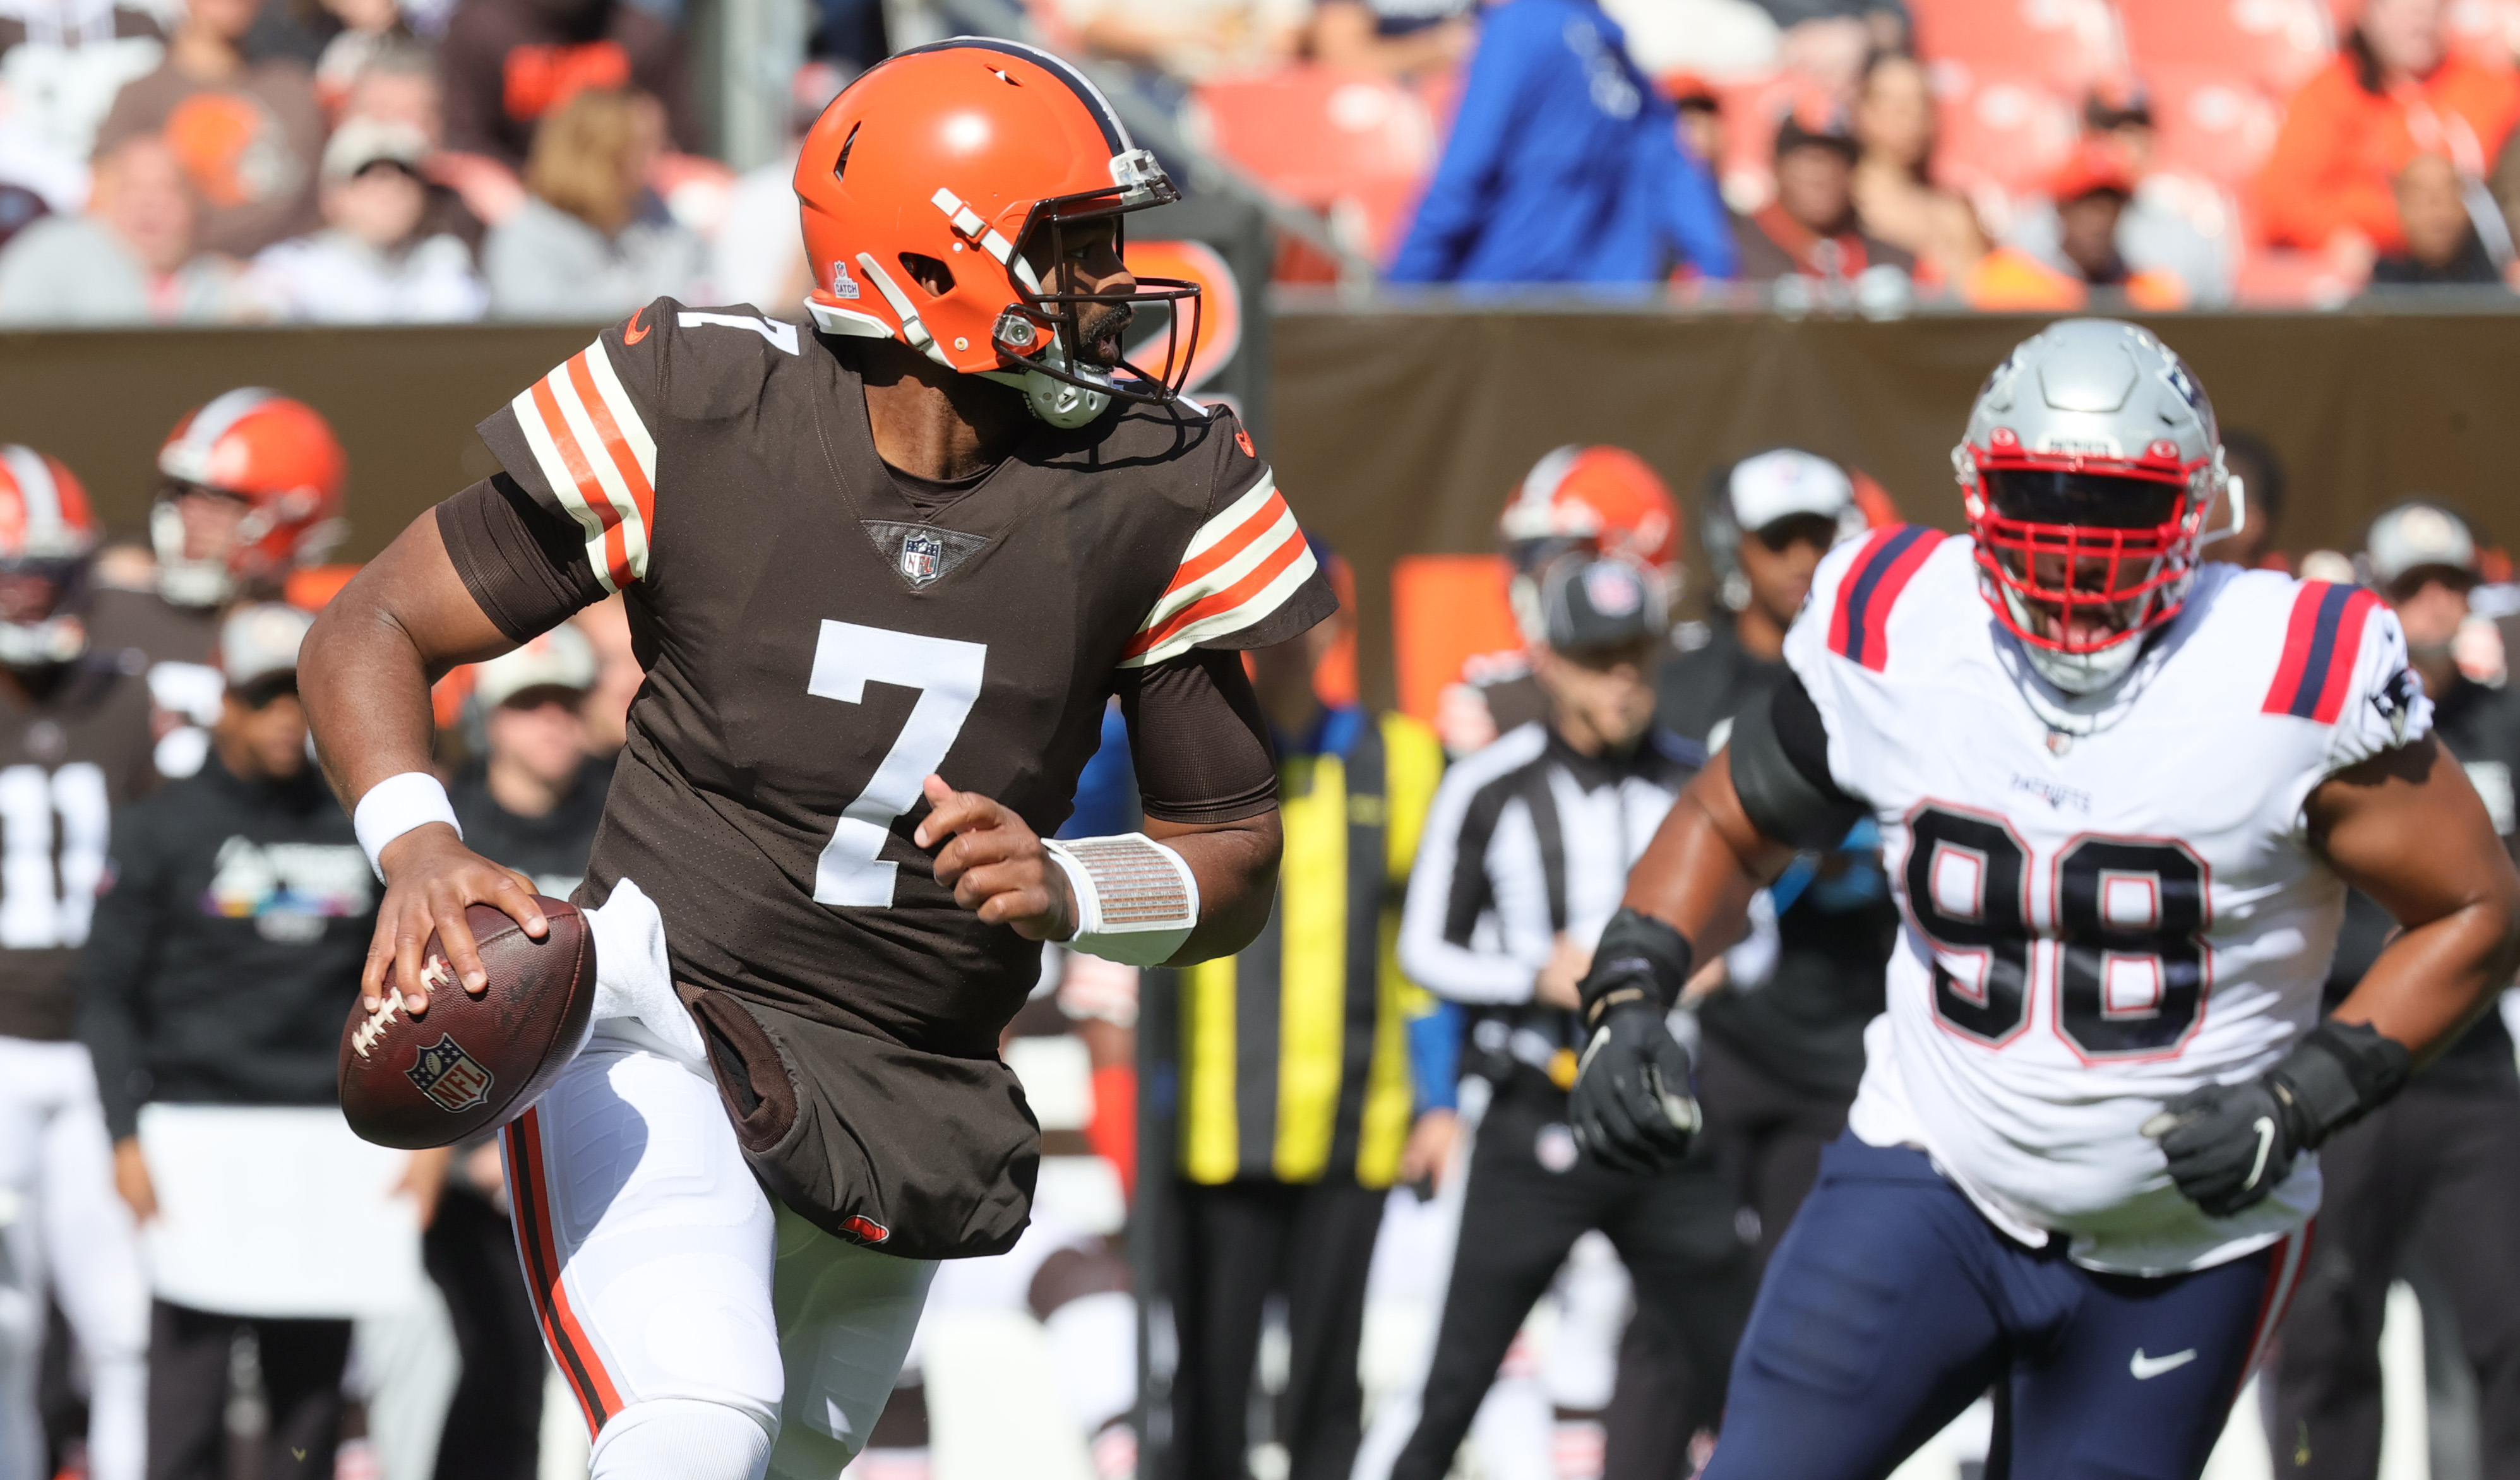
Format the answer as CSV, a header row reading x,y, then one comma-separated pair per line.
x,y
1137,900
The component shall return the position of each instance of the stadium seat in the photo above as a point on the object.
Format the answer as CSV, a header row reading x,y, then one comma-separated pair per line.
x,y
2003,133
2277,43
2068,43
1351,145
2211,124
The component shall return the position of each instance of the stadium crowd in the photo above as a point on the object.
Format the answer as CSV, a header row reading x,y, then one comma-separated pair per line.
x,y
374,161
1348,1280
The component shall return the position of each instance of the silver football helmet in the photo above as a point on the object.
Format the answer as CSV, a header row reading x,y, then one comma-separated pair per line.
x,y
2089,466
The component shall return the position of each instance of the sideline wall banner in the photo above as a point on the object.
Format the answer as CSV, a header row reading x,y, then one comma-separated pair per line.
x,y
1402,429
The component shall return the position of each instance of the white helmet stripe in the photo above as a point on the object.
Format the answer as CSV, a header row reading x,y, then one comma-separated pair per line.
x,y
188,455
37,492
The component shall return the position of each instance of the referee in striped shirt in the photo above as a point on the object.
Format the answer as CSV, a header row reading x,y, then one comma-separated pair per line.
x,y
1526,855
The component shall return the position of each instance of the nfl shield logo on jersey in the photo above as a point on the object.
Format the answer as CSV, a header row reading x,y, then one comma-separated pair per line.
x,y
923,557
450,1077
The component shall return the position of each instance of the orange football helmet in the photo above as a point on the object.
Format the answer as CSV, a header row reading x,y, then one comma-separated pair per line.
x,y
936,189
46,536
1598,498
276,456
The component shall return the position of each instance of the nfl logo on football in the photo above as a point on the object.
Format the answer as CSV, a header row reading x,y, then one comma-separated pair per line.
x,y
451,1078
921,557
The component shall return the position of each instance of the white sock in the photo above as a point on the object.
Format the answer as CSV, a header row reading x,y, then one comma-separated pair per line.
x,y
681,1439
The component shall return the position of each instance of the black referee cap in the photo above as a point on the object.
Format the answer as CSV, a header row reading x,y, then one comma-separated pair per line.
x,y
1598,600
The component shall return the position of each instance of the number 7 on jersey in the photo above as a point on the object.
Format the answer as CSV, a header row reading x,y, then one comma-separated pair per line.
x,y
947,675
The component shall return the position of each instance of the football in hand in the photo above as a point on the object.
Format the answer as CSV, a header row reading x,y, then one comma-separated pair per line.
x,y
470,1063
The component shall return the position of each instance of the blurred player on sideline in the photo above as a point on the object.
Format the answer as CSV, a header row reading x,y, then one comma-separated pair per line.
x,y
2118,816
1600,499
211,996
2433,1173
74,749
534,798
1526,852
251,491
1783,1028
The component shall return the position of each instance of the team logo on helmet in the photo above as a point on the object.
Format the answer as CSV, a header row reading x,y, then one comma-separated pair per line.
x,y
452,1079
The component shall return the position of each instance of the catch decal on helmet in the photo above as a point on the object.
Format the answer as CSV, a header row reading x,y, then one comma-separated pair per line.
x,y
2089,466
940,190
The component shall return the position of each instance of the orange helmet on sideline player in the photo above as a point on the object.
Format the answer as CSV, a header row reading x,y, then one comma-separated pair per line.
x,y
1604,498
965,163
1598,498
274,471
46,536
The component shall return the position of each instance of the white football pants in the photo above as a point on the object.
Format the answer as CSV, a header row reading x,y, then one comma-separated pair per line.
x,y
664,1275
62,1222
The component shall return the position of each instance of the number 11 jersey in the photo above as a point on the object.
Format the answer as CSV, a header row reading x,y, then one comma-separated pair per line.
x,y
820,633
2109,903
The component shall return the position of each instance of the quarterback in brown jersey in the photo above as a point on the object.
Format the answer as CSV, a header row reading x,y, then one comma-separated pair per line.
x,y
883,577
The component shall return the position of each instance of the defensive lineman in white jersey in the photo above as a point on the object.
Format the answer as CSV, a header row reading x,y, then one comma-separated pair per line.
x,y
2121,793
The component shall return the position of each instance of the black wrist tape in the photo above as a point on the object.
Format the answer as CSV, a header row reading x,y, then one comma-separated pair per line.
x,y
2338,1074
1638,956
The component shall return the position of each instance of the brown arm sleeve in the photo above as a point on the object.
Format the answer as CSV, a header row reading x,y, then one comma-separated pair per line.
x,y
526,565
1198,740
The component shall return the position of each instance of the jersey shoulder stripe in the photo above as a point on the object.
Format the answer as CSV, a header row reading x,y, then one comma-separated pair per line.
x,y
598,455
1858,625
2321,641
1240,566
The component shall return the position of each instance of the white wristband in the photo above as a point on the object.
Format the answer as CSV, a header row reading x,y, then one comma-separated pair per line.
x,y
394,806
1135,899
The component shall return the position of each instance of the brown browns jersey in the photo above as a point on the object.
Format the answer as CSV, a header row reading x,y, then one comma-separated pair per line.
x,y
816,645
75,746
178,646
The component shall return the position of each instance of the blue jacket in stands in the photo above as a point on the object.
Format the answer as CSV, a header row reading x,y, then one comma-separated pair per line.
x,y
1564,166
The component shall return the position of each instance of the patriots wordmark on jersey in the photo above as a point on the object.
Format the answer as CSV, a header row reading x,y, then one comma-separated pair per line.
x,y
820,634
2109,903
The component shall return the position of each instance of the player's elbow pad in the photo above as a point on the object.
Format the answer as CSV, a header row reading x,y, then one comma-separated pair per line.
x,y
1785,788
2339,1073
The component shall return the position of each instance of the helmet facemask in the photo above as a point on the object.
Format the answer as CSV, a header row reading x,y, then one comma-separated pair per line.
x,y
267,538
2081,563
40,600
1053,344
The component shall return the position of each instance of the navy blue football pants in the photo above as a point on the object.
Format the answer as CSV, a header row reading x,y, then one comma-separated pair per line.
x,y
1892,1304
